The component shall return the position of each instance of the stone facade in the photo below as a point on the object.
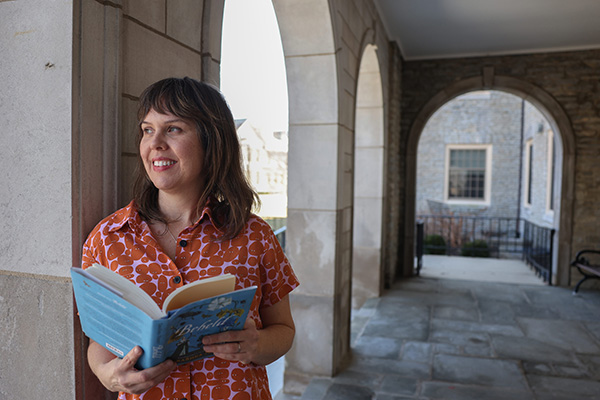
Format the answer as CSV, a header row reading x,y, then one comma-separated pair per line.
x,y
475,118
539,134
265,161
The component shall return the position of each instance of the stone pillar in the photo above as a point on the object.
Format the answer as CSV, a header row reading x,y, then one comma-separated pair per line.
x,y
368,182
319,221
36,307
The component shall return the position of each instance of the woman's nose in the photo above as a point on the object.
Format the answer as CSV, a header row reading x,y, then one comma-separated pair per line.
x,y
158,141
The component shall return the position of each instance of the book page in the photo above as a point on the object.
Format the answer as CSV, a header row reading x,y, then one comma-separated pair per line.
x,y
198,290
128,289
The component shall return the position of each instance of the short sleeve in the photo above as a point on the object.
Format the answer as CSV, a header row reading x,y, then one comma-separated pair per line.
x,y
90,249
277,276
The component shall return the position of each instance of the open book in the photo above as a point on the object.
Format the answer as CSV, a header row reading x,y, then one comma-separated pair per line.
x,y
117,314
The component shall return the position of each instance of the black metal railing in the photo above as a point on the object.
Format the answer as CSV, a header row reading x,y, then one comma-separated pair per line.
x,y
280,235
486,237
419,249
279,226
538,248
472,236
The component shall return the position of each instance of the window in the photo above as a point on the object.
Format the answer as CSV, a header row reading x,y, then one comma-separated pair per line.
x,y
528,172
550,174
468,173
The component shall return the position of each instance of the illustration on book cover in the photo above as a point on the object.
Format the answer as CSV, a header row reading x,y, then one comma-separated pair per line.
x,y
220,315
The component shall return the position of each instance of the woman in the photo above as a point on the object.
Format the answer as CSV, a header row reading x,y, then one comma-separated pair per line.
x,y
191,218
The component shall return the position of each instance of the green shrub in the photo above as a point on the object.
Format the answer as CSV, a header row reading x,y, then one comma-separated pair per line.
x,y
476,248
434,244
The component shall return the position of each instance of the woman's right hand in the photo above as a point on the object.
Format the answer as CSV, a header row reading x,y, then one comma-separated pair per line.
x,y
120,375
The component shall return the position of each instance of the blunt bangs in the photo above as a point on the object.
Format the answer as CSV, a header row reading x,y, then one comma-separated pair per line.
x,y
167,97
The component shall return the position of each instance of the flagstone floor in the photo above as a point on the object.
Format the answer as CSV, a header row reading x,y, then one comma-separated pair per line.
x,y
437,337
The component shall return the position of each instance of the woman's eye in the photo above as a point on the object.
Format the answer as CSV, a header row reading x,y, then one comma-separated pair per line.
x,y
146,131
174,129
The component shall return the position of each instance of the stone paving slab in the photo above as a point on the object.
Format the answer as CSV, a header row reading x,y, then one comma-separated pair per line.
x,y
566,335
544,386
467,326
432,298
478,371
472,343
592,365
505,293
380,347
456,313
453,391
417,351
522,348
406,369
339,391
594,328
497,312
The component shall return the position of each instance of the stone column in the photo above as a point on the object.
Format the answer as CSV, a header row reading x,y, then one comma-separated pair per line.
x,y
319,220
36,320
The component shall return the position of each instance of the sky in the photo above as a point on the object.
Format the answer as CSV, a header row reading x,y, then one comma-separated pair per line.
x,y
252,65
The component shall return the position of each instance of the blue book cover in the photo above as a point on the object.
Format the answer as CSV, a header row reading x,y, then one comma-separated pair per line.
x,y
108,315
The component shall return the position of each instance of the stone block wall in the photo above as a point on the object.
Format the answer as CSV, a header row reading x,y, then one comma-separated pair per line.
x,y
162,39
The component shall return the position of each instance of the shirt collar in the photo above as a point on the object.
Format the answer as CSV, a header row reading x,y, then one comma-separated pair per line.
x,y
129,215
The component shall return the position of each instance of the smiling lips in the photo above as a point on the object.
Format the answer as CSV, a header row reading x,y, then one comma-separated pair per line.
x,y
162,163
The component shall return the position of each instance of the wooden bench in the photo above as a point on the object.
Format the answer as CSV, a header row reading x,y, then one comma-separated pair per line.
x,y
586,268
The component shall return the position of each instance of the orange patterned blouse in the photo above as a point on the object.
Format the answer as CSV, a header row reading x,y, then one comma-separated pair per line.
x,y
124,243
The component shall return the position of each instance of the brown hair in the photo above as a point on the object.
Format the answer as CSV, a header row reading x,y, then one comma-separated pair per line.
x,y
226,189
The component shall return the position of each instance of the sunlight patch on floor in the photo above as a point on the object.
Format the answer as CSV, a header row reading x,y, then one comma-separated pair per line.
x,y
479,269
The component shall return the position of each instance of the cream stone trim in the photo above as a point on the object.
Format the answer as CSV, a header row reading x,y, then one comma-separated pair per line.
x,y
487,196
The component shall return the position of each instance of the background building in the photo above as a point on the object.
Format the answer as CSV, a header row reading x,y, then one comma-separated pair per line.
x,y
487,154
265,160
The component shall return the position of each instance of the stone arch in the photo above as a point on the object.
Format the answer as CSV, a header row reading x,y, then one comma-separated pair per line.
x,y
317,218
369,161
560,122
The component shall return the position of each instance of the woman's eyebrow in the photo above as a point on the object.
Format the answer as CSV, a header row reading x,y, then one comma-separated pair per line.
x,y
170,121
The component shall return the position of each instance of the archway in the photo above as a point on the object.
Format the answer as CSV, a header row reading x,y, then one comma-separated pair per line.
x,y
482,193
368,181
319,203
565,142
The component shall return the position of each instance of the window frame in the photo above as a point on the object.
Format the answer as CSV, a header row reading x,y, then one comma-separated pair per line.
x,y
487,192
528,174
550,172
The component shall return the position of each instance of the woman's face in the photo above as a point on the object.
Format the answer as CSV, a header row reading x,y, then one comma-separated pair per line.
x,y
172,154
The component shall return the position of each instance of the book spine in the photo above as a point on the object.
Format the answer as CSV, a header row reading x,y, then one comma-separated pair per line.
x,y
153,344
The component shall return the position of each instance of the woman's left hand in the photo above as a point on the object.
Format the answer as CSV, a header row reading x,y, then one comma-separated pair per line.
x,y
234,345
251,345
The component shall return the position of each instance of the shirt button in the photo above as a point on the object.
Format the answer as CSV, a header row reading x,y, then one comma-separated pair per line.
x,y
177,280
183,243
